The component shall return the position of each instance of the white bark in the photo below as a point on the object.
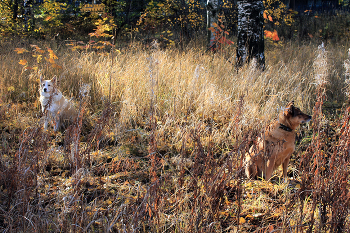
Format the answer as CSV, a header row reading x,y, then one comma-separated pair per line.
x,y
250,44
212,8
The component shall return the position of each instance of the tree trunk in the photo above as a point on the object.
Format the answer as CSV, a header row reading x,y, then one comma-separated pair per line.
x,y
250,44
15,10
212,17
28,16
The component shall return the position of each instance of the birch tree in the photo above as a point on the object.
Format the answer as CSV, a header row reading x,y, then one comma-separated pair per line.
x,y
28,14
212,8
250,43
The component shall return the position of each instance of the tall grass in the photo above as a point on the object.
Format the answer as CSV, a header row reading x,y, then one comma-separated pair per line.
x,y
169,129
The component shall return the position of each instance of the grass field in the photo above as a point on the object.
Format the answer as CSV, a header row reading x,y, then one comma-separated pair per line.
x,y
163,143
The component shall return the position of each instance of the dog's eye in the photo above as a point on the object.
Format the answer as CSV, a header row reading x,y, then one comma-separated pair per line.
x,y
49,85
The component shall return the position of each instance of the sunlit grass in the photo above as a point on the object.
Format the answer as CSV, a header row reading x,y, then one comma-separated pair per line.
x,y
203,115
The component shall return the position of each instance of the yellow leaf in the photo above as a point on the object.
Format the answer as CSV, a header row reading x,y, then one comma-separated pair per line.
x,y
10,89
54,65
52,54
37,49
23,62
241,220
52,61
223,213
292,222
20,50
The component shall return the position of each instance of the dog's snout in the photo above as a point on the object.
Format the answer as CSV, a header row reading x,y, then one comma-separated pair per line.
x,y
45,89
307,119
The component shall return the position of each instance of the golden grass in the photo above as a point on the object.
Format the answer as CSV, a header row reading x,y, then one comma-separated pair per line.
x,y
165,154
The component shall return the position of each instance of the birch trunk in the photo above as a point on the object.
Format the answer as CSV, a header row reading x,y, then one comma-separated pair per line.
x,y
250,44
27,14
212,17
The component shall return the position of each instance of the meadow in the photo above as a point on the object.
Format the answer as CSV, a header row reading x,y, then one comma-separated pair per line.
x,y
164,138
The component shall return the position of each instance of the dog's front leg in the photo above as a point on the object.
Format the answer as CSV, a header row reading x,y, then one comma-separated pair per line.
x,y
57,123
269,167
46,117
285,167
46,122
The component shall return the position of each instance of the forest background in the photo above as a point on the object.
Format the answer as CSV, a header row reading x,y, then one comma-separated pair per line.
x,y
166,118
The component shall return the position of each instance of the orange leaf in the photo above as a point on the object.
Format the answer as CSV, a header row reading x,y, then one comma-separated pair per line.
x,y
268,34
20,50
272,35
270,18
54,65
52,61
23,62
241,220
275,36
37,49
52,54
211,29
149,211
264,15
229,41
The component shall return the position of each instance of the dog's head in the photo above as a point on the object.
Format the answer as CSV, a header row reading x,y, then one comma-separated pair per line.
x,y
48,87
294,116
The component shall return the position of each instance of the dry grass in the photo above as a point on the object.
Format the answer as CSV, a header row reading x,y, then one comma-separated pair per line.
x,y
165,153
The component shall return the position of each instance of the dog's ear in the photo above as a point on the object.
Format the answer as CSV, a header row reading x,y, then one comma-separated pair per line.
x,y
54,80
41,78
290,108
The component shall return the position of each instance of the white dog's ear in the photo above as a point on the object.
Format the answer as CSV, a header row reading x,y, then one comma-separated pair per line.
x,y
41,78
54,79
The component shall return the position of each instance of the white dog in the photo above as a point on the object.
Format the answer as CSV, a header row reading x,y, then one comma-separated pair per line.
x,y
54,105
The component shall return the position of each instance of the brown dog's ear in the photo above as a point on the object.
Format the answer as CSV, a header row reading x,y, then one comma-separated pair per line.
x,y
291,103
290,108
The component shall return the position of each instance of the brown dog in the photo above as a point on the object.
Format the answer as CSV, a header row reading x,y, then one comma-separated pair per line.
x,y
276,145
